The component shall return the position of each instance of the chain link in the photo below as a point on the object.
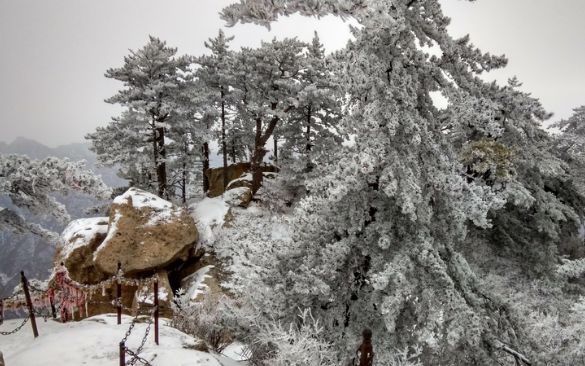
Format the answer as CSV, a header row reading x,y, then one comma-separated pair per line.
x,y
133,323
139,349
136,358
16,329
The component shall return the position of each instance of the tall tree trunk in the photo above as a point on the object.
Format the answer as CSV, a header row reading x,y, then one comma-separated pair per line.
x,y
154,156
309,164
161,168
257,157
259,150
233,150
223,141
308,136
275,139
184,176
205,167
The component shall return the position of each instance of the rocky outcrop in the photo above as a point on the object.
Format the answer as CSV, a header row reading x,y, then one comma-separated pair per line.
x,y
145,233
77,244
148,235
215,176
237,176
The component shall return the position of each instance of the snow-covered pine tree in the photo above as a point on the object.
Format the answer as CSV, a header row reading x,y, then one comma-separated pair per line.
x,y
124,143
313,124
215,73
570,143
376,240
311,130
30,185
151,76
189,133
266,85
498,133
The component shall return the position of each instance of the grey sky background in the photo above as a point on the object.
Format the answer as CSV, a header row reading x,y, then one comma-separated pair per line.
x,y
53,53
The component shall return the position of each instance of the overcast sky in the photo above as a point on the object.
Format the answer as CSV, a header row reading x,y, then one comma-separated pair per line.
x,y
53,54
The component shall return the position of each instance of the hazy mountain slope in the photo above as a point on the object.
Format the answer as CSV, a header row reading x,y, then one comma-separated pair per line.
x,y
27,252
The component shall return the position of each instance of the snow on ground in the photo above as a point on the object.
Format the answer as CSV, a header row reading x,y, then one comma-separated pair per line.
x,y
94,342
209,214
80,232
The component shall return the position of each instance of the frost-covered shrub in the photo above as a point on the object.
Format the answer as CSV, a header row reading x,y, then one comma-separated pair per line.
x,y
559,335
406,357
299,344
205,320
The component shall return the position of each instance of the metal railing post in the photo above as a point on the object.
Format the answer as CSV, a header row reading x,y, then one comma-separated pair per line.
x,y
31,310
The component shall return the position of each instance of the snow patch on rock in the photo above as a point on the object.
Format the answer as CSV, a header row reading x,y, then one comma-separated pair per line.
x,y
113,229
142,199
80,232
165,211
209,214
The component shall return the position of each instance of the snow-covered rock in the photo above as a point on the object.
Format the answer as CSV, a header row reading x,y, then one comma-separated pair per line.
x,y
240,196
145,233
244,181
94,342
215,177
76,246
210,214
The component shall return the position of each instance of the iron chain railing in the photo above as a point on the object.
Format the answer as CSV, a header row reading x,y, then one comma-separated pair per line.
x,y
24,321
136,358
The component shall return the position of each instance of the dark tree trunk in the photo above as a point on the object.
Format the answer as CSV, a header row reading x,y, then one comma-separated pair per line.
x,y
223,141
259,151
275,138
154,156
308,137
233,150
309,164
184,183
205,167
161,168
257,157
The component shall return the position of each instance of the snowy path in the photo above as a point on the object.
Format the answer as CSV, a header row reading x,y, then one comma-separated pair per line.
x,y
94,342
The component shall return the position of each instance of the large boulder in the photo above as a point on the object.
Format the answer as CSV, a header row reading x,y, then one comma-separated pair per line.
x,y
215,177
238,175
145,233
76,246
240,196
